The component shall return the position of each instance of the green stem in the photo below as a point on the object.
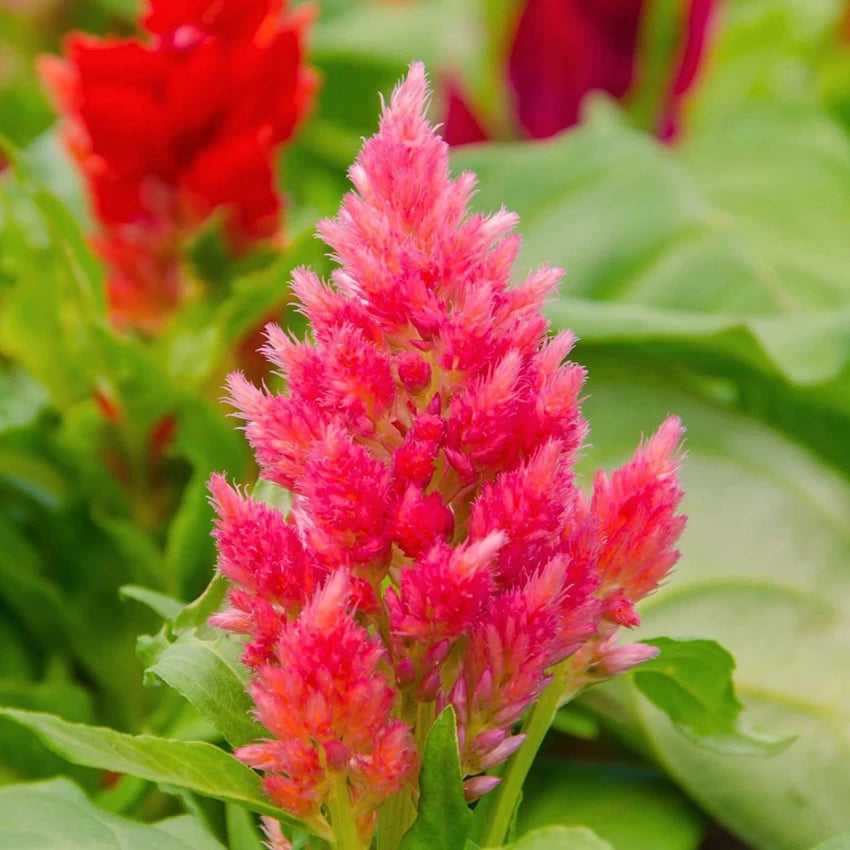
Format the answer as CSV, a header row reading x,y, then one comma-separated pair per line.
x,y
535,727
345,836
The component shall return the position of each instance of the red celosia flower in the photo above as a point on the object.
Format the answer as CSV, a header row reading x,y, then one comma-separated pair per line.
x,y
565,49
428,435
172,127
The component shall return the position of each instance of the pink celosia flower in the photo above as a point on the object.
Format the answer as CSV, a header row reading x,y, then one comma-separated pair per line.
x,y
439,550
327,697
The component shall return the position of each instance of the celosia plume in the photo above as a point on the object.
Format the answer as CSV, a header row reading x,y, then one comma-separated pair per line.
x,y
173,126
439,550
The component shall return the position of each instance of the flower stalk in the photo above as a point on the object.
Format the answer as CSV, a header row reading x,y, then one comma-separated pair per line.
x,y
344,827
534,727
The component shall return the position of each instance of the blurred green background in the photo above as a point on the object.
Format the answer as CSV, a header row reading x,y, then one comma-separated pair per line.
x,y
710,278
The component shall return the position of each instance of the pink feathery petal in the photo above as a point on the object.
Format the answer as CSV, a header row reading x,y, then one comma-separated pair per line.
x,y
418,520
531,506
259,551
326,309
488,422
444,593
300,363
414,371
327,699
415,459
510,649
346,496
391,763
273,831
636,509
359,378
281,430
254,616
611,660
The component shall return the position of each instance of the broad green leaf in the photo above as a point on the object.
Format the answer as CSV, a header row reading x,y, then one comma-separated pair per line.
x,y
691,682
631,807
764,50
56,815
764,572
272,494
560,838
189,830
193,765
729,257
22,755
840,842
444,818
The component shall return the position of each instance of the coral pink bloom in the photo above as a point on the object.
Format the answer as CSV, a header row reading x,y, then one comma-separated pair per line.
x,y
636,509
327,699
169,128
565,49
428,435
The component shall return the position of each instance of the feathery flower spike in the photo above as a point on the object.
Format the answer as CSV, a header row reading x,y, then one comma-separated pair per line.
x,y
438,550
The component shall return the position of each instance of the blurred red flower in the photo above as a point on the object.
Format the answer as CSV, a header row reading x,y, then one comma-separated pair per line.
x,y
173,126
564,49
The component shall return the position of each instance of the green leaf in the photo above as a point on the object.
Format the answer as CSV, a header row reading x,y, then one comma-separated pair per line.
x,y
691,682
560,838
572,720
763,570
207,672
709,258
21,398
22,755
190,830
31,595
166,606
202,664
444,818
629,806
56,815
272,494
189,548
840,842
242,833
192,765
198,612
